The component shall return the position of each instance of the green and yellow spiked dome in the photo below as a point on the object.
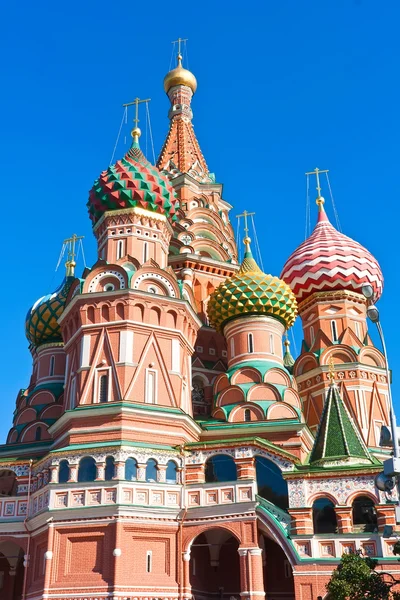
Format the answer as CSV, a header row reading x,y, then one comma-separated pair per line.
x,y
251,292
41,325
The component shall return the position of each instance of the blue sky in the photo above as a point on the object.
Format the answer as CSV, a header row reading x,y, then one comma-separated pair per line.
x,y
283,87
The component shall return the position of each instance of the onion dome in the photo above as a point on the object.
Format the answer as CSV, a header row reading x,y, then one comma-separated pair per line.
x,y
251,292
329,260
41,325
180,76
132,182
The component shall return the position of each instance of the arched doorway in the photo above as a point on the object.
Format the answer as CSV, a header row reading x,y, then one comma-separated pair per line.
x,y
11,571
214,565
277,570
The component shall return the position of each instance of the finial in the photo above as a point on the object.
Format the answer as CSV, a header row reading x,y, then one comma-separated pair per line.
x,y
179,42
136,132
320,200
70,264
286,343
247,239
331,374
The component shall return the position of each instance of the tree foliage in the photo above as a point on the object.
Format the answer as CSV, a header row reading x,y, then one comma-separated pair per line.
x,y
356,578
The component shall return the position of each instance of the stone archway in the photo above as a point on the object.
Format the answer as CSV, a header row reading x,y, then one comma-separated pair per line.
x,y
11,570
277,570
214,568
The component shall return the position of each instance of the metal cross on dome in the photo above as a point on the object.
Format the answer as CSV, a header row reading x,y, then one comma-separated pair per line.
x,y
317,172
245,214
70,245
179,41
136,102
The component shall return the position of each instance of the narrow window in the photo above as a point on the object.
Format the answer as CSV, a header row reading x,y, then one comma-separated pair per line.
x,y
312,335
72,394
151,387
120,249
271,343
103,388
38,434
232,348
358,329
110,468
145,251
148,561
247,414
250,343
51,370
334,331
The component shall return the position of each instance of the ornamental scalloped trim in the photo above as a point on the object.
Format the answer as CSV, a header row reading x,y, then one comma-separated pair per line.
x,y
132,182
252,293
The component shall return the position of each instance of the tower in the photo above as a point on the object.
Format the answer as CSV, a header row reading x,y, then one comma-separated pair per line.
x,y
326,273
202,250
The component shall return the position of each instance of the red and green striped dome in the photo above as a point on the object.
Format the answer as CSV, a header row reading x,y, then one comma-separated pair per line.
x,y
132,182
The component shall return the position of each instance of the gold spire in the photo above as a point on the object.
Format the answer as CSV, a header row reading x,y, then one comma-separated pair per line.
x,y
136,132
320,200
70,243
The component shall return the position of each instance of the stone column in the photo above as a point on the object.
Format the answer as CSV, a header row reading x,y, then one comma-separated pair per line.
x,y
45,476
54,473
386,515
161,473
119,469
302,521
48,557
186,587
100,471
344,519
141,472
73,473
195,474
39,480
256,575
246,468
251,574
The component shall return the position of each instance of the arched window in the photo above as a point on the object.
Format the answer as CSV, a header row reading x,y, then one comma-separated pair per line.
x,y
197,390
247,414
51,368
151,470
171,473
110,468
38,434
220,468
324,516
334,331
250,343
8,483
145,252
63,471
103,388
120,249
130,469
364,515
270,482
87,469
271,343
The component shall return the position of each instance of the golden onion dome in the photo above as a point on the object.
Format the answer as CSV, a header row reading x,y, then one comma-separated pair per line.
x,y
251,292
180,76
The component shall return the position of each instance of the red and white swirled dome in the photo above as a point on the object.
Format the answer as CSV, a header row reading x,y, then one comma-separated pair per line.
x,y
329,260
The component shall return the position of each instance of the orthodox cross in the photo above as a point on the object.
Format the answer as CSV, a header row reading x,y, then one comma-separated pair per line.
x,y
317,172
179,41
245,214
136,102
70,244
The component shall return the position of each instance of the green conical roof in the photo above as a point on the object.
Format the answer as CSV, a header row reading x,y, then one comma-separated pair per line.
x,y
338,439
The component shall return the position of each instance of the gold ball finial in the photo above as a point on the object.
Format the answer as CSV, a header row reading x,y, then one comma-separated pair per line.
x,y
320,201
136,133
247,241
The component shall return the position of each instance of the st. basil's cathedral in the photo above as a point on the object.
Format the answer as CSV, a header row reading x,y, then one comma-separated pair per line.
x,y
168,445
